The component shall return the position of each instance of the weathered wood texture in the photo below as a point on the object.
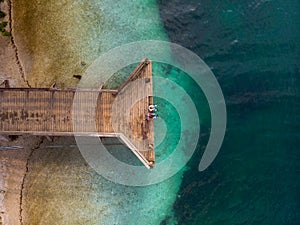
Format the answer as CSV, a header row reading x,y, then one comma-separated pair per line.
x,y
107,113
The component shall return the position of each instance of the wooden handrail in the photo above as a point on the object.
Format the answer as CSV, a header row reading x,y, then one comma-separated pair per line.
x,y
134,73
135,151
100,89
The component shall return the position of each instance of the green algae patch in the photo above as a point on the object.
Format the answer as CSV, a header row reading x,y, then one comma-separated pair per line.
x,y
3,30
2,14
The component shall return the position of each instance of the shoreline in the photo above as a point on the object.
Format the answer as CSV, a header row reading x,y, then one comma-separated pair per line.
x,y
12,162
49,50
10,66
16,64
14,44
59,185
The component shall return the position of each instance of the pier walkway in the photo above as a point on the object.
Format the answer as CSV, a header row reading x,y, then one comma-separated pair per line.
x,y
86,112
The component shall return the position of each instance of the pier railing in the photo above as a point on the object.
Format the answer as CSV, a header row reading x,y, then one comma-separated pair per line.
x,y
49,112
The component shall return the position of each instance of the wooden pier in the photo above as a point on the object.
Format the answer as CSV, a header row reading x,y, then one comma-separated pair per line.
x,y
86,112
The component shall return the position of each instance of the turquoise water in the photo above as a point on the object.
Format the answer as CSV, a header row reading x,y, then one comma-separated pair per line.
x,y
124,22
252,48
60,187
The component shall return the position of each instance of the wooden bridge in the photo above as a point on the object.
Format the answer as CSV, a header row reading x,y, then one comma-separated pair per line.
x,y
86,112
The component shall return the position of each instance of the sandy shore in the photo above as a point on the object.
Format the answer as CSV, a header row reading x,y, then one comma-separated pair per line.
x,y
12,162
30,192
17,65
9,61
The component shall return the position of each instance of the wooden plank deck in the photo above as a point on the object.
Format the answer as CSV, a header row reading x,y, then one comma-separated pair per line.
x,y
105,113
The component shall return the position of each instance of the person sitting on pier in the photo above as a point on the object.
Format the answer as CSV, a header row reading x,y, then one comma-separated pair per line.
x,y
151,116
152,108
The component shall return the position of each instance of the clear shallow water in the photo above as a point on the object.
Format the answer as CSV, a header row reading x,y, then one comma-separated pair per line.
x,y
75,33
60,187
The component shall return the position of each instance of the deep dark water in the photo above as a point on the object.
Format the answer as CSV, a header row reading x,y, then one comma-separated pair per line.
x,y
253,49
